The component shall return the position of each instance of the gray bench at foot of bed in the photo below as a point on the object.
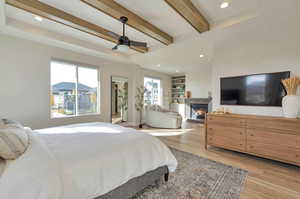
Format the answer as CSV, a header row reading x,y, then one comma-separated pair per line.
x,y
135,185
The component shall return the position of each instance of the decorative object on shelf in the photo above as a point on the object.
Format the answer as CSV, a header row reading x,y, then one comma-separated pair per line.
x,y
221,111
188,94
139,103
291,102
209,94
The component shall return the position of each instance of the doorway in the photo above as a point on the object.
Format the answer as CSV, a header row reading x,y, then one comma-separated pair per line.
x,y
119,99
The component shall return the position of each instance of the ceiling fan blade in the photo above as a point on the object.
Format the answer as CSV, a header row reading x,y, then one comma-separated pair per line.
x,y
115,48
137,43
114,35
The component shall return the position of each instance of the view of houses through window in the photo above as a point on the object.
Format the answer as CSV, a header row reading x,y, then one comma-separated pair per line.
x,y
153,91
74,89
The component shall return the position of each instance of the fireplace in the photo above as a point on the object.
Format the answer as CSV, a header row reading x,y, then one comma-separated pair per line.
x,y
198,111
196,108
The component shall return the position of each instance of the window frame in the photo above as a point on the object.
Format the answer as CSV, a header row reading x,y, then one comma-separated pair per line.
x,y
160,101
78,65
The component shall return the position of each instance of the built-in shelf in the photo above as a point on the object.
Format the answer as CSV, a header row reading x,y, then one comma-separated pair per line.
x,y
178,89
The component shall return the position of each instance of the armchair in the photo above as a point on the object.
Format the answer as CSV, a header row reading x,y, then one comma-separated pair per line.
x,y
157,117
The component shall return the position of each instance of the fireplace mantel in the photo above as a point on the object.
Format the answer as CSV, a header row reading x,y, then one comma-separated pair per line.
x,y
198,100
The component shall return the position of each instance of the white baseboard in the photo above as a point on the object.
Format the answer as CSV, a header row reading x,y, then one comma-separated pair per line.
x,y
129,124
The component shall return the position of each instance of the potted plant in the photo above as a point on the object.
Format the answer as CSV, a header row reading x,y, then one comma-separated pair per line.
x,y
139,103
291,102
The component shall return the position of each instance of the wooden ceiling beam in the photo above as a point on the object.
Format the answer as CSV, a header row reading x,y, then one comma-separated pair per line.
x,y
46,11
115,10
190,13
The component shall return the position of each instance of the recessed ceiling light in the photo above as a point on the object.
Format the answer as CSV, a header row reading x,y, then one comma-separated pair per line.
x,y
225,4
158,65
201,55
38,18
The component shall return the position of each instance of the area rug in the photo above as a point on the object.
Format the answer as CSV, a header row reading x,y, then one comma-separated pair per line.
x,y
198,178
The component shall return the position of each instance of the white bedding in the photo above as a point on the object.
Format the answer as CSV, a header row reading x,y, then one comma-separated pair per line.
x,y
82,161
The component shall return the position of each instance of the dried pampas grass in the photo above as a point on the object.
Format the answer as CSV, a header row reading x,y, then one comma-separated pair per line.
x,y
291,85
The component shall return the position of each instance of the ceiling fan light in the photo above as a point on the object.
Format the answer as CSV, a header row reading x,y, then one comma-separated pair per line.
x,y
224,4
38,18
123,48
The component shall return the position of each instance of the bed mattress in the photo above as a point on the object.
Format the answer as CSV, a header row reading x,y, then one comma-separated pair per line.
x,y
83,161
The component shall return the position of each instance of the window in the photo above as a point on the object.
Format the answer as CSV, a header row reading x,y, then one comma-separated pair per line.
x,y
153,91
74,89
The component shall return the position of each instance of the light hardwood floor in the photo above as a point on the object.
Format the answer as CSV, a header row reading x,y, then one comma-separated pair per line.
x,y
267,179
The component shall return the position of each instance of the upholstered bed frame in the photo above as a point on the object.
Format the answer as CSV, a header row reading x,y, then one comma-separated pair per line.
x,y
138,184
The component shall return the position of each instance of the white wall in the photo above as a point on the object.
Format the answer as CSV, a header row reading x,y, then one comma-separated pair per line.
x,y
25,82
199,82
252,48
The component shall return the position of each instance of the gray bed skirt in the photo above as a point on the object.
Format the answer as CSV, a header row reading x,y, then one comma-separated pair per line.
x,y
136,185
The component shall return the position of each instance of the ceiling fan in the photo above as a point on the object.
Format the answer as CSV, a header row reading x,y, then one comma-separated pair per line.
x,y
124,41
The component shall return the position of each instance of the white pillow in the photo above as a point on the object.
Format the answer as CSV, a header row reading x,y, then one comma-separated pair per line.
x,y
14,139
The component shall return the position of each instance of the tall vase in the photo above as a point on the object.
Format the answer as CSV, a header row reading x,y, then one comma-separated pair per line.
x,y
291,106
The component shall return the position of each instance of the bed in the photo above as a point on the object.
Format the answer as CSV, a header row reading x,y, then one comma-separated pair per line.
x,y
86,161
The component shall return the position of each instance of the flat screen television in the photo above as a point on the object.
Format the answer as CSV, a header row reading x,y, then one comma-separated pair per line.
x,y
254,90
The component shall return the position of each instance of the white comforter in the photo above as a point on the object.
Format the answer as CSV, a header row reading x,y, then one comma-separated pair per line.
x,y
82,161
